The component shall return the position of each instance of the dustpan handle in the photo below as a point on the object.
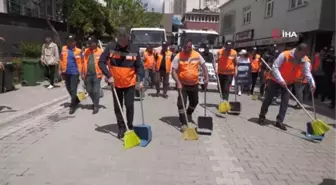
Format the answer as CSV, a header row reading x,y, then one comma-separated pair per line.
x,y
313,102
142,109
205,101
236,89
311,117
184,108
119,105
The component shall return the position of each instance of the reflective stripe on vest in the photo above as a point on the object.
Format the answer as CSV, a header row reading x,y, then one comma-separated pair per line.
x,y
168,61
255,63
123,71
64,59
97,54
148,60
188,67
226,64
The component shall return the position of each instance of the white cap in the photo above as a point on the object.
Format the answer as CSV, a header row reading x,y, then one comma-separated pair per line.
x,y
243,52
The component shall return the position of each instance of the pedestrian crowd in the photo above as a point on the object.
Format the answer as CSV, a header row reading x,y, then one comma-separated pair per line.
x,y
122,66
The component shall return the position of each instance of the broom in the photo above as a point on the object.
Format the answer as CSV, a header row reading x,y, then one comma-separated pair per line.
x,y
319,126
189,133
130,138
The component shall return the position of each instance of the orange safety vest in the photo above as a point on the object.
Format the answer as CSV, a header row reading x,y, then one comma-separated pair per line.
x,y
96,53
289,70
64,59
124,74
317,62
226,64
268,75
188,67
168,61
255,63
148,60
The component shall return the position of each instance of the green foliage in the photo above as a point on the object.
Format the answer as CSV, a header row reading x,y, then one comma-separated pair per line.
x,y
92,18
30,50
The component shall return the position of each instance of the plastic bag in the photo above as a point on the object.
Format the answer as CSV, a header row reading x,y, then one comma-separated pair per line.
x,y
81,90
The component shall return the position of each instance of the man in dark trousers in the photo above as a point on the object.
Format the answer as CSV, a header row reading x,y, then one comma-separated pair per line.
x,y
71,65
124,67
163,61
91,72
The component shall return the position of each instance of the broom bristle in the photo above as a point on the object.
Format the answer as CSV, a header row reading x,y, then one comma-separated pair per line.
x,y
131,140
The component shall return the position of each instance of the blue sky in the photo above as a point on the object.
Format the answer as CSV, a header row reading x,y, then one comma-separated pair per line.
x,y
156,4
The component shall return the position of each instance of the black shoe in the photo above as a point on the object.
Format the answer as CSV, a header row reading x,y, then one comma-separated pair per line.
x,y
72,110
121,132
280,125
165,95
95,110
261,121
157,94
190,118
297,106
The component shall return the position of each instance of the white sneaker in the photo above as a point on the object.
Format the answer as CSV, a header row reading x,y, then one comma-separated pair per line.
x,y
239,93
50,87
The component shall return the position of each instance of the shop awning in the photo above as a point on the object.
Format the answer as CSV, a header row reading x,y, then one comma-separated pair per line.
x,y
177,21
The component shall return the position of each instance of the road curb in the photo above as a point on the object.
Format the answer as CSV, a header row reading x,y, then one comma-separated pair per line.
x,y
26,114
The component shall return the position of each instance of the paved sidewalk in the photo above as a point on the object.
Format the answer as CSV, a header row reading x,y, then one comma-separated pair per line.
x,y
58,149
25,99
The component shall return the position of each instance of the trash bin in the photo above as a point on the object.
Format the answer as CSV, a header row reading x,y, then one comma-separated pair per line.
x,y
8,77
1,81
30,72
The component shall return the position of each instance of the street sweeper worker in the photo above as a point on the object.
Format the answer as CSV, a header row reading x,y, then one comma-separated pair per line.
x,y
285,71
185,73
91,72
163,62
227,68
124,66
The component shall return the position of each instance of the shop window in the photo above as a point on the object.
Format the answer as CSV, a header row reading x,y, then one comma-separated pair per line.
x,y
269,8
247,15
297,3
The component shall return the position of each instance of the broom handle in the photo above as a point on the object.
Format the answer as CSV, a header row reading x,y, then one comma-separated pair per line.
x,y
119,105
205,102
216,72
311,117
236,89
184,108
313,102
142,109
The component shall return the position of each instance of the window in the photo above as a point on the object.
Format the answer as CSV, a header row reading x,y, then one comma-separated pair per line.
x,y
247,15
297,3
269,8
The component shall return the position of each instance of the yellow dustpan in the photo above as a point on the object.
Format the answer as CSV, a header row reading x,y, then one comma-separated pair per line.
x,y
189,133
81,96
130,138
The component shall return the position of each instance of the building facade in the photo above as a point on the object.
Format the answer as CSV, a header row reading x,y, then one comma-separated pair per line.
x,y
168,7
201,19
261,22
182,6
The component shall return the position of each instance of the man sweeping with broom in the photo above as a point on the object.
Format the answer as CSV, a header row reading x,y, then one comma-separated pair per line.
x,y
185,73
289,66
124,62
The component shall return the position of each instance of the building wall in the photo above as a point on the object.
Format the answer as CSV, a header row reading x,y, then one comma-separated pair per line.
x,y
182,6
3,8
201,25
327,18
299,20
168,6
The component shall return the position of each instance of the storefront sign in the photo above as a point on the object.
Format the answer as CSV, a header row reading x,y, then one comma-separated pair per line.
x,y
244,36
270,41
245,44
